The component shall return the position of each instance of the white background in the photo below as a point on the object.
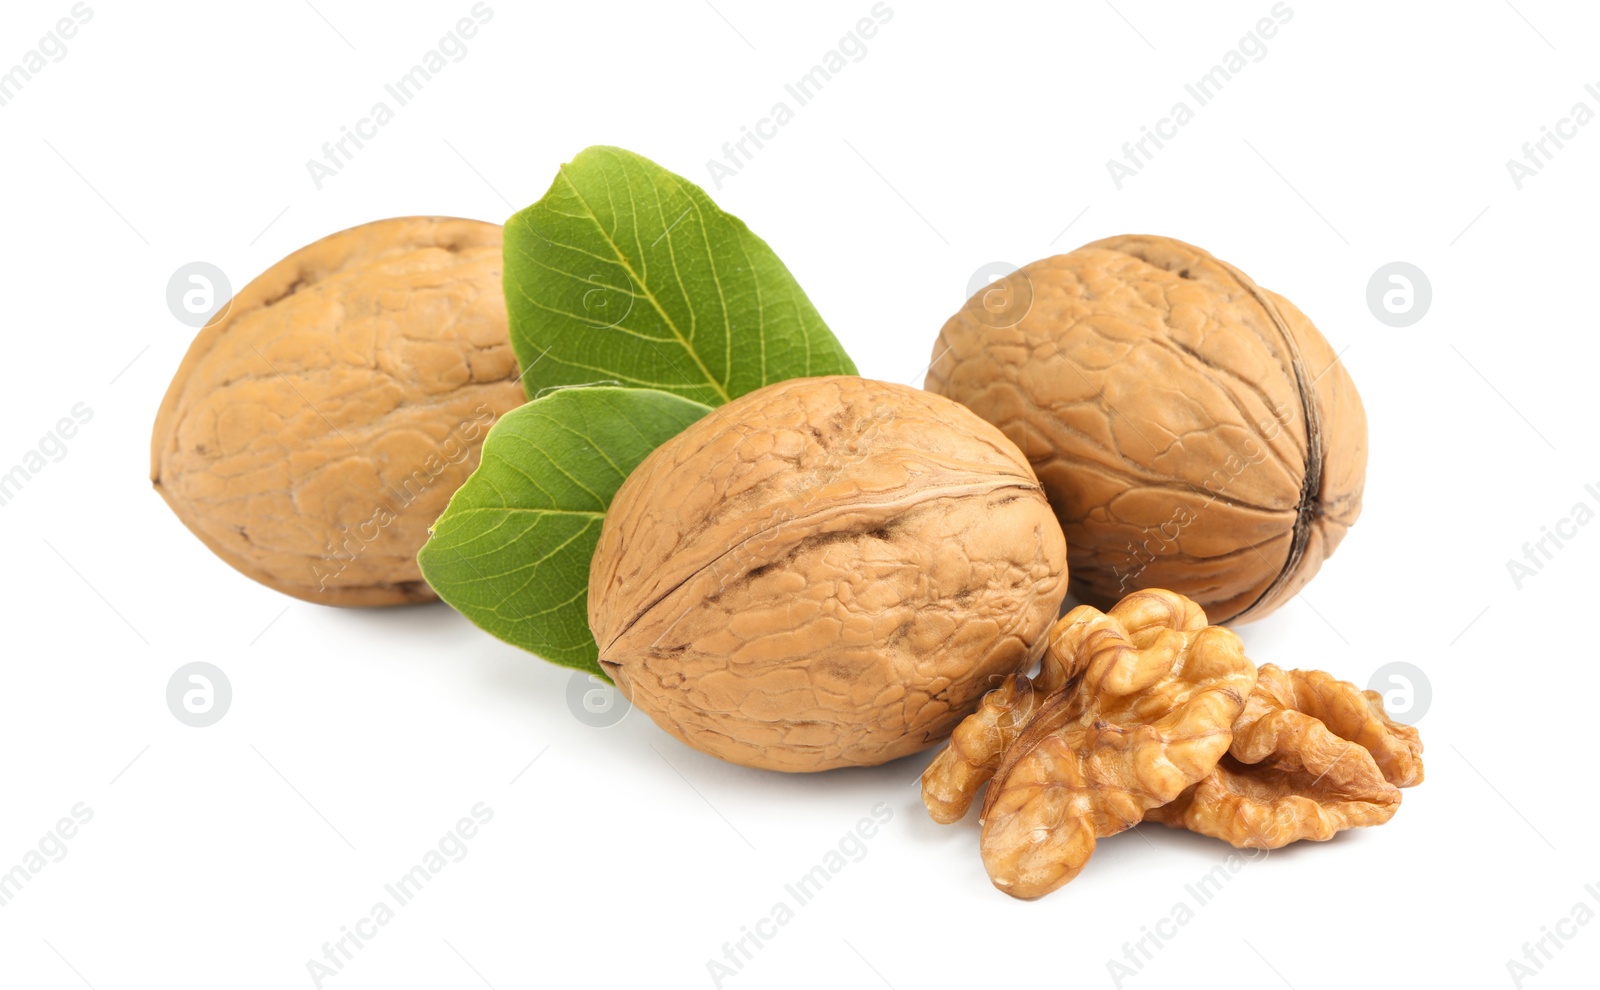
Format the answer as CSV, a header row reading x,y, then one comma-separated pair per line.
x,y
226,856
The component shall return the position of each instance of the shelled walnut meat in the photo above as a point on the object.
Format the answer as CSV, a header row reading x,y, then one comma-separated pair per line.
x,y
1146,713
1193,430
824,572
319,424
1130,709
1311,756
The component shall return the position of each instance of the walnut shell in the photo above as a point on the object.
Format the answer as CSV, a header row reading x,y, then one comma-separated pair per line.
x,y
1192,430
825,572
320,423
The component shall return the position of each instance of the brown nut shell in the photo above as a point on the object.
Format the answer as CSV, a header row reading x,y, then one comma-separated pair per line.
x,y
1193,430
319,424
824,572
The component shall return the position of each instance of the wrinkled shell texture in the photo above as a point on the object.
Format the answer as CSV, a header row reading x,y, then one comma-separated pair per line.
x,y
824,572
1193,431
318,426
1311,756
1130,708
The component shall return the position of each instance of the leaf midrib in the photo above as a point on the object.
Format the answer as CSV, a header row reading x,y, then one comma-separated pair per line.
x,y
622,260
543,512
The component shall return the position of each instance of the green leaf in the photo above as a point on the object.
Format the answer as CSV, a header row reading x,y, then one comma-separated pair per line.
x,y
512,550
627,273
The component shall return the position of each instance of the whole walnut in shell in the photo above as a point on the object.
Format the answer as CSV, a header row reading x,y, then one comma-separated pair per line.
x,y
320,423
1193,430
824,572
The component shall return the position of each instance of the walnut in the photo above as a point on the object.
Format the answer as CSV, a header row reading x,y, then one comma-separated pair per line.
x,y
1311,755
1138,706
976,748
1192,430
319,424
824,572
